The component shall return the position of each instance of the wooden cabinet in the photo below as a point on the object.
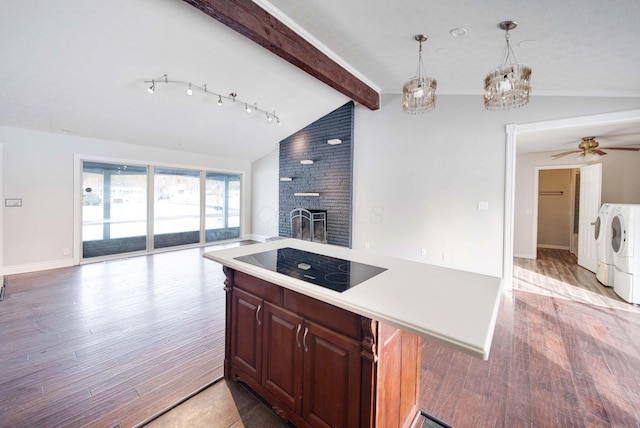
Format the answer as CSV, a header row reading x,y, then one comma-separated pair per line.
x,y
316,364
246,342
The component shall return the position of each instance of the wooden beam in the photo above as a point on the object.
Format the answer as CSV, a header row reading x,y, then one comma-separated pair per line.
x,y
258,25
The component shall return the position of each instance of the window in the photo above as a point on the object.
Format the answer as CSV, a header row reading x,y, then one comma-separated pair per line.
x,y
222,207
176,208
116,203
114,209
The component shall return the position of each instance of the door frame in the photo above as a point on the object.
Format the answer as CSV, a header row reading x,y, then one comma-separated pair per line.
x,y
512,131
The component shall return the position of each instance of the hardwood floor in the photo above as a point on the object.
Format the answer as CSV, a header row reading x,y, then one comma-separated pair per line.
x,y
554,362
556,273
110,343
113,344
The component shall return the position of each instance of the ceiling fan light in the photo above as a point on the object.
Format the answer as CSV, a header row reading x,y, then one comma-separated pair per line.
x,y
588,157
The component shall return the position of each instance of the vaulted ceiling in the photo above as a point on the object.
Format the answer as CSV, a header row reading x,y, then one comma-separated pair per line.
x,y
79,67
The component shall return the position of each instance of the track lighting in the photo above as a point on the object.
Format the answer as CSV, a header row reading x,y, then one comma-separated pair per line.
x,y
232,96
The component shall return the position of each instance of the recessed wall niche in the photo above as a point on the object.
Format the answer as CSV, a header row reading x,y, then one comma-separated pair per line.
x,y
327,183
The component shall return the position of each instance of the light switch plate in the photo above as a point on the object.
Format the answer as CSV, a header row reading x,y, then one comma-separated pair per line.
x,y
13,202
483,205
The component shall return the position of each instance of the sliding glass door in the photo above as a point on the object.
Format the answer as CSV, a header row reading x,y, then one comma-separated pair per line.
x,y
183,207
222,208
114,209
176,207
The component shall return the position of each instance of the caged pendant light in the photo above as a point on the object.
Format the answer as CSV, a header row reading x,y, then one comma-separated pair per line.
x,y
419,92
507,86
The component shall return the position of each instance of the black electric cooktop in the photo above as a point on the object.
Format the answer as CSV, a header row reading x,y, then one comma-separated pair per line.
x,y
329,272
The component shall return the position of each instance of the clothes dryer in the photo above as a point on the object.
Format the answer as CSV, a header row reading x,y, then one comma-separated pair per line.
x,y
625,243
602,232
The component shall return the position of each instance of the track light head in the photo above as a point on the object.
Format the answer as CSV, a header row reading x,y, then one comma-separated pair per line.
x,y
247,108
189,91
269,118
152,88
219,100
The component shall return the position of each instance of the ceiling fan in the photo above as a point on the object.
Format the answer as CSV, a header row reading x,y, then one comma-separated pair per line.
x,y
589,151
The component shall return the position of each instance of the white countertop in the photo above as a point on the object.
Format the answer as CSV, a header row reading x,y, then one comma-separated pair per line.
x,y
456,307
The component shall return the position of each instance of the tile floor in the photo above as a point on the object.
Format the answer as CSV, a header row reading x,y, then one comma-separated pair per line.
x,y
222,405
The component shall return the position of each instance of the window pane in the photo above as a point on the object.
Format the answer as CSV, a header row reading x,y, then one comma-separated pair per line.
x,y
222,209
176,207
114,211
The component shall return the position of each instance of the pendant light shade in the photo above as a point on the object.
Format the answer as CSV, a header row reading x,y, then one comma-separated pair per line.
x,y
508,86
419,92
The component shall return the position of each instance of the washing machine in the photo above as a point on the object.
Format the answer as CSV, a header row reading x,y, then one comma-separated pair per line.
x,y
625,243
602,232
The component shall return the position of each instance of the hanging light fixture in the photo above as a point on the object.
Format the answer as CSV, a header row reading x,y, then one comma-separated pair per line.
x,y
507,86
419,92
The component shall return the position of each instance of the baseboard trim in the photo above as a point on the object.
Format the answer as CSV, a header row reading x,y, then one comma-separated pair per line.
x,y
35,267
525,256
554,247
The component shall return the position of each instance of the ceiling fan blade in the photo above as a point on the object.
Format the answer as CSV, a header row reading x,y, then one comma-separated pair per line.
x,y
631,149
559,155
599,152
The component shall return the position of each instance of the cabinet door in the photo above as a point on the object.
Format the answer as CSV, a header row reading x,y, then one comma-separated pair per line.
x,y
246,342
331,378
282,373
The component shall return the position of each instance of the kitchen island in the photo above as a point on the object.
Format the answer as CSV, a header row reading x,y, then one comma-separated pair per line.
x,y
350,357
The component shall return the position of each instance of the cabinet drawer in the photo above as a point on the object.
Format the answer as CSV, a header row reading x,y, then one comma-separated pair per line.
x,y
325,314
258,287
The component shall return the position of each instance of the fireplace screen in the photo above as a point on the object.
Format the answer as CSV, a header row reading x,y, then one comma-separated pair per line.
x,y
310,225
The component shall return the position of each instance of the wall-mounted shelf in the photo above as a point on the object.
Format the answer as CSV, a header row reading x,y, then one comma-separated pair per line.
x,y
306,194
547,193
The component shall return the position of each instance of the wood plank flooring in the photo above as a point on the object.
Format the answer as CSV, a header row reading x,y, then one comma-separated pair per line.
x,y
554,362
110,343
113,344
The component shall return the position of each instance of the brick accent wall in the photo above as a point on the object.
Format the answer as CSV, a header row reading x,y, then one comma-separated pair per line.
x,y
331,174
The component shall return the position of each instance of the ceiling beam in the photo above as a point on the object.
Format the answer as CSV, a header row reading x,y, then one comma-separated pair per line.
x,y
253,22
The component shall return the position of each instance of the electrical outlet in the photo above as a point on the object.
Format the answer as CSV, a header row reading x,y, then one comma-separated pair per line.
x,y
445,257
366,246
66,251
423,251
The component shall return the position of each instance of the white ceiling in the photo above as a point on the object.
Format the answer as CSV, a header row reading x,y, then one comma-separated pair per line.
x,y
79,67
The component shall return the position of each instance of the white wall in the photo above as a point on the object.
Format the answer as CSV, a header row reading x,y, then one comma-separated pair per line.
x,y
264,198
620,184
38,167
418,179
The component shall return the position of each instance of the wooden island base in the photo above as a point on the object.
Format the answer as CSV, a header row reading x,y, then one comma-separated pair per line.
x,y
316,364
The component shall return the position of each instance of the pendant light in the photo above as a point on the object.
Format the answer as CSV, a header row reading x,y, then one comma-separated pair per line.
x,y
419,92
507,86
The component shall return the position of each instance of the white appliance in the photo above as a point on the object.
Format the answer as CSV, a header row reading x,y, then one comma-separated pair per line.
x,y
602,231
625,243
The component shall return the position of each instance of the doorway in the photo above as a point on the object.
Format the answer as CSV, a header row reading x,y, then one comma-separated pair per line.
x,y
558,208
579,126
